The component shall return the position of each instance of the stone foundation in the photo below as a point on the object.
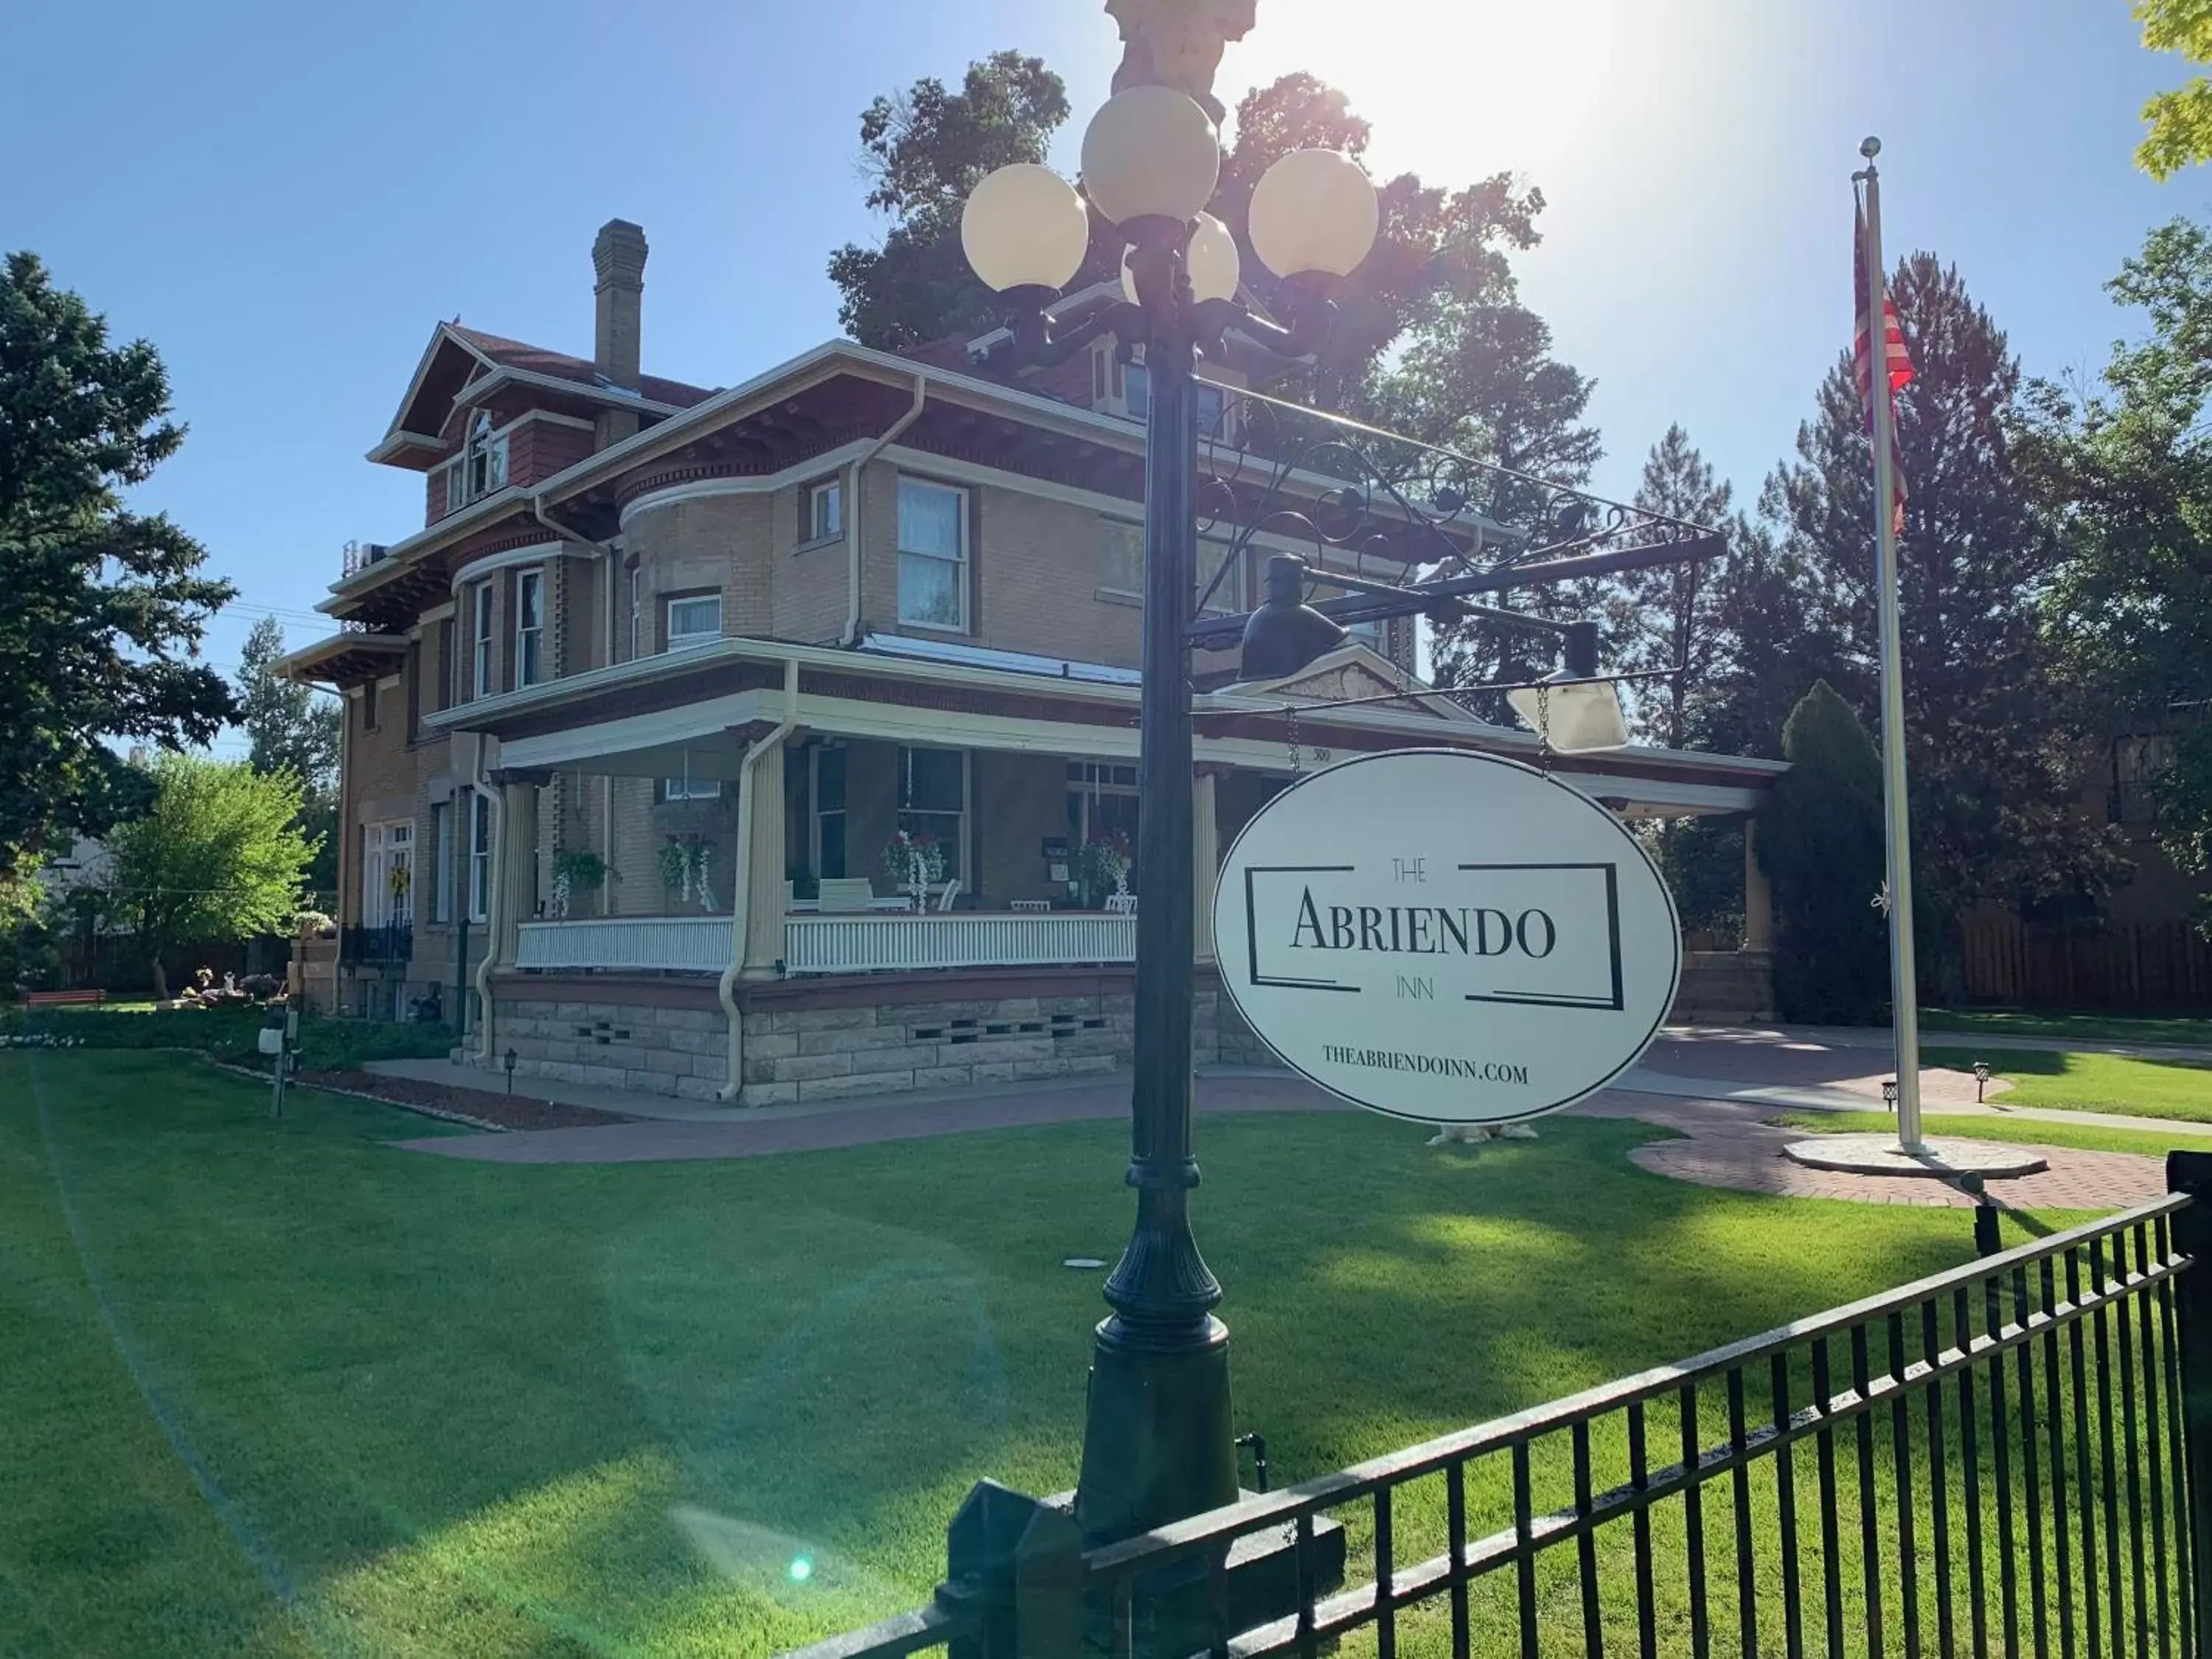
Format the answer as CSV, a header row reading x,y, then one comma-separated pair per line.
x,y
841,1046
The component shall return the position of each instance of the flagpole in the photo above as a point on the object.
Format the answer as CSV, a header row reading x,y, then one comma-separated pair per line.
x,y
1897,829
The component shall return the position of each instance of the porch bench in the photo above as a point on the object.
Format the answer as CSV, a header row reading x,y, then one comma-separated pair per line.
x,y
62,999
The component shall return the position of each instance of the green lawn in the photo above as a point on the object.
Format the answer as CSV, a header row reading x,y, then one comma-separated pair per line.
x,y
2108,1028
2032,1132
280,1389
2092,1082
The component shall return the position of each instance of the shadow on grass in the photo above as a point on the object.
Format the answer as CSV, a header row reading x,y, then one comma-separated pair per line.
x,y
573,1408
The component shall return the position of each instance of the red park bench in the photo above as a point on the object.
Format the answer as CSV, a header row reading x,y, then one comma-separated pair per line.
x,y
62,999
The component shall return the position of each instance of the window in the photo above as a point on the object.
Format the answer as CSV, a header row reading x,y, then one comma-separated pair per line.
x,y
695,621
480,469
480,614
479,857
1122,557
1137,398
688,787
932,543
387,874
1101,802
442,878
1121,566
933,801
826,511
369,706
827,781
637,642
528,628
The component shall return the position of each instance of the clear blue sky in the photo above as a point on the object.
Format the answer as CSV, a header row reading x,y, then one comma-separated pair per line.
x,y
285,199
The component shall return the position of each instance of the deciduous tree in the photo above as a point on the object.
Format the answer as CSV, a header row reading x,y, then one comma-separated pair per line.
x,y
292,728
2180,120
217,855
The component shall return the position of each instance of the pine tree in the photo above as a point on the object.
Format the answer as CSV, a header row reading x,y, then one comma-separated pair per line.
x,y
1994,777
102,610
293,728
1820,845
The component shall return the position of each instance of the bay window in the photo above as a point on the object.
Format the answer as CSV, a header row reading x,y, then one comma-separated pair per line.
x,y
528,628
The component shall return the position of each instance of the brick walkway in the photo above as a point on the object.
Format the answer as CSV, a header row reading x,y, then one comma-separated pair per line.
x,y
1725,1143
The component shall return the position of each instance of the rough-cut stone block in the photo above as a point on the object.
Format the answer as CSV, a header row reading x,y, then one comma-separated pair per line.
x,y
848,1088
579,1013
562,1071
698,1088
770,1045
822,1019
1025,1069
769,1094
650,1082
1083,1065
942,1077
667,1062
991,1071
692,1042
1018,1049
807,1068
846,1039
611,1077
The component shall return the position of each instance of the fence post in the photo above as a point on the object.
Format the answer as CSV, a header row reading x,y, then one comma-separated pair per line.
x,y
2191,1173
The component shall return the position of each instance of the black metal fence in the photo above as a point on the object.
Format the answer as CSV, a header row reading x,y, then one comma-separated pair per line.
x,y
2005,1458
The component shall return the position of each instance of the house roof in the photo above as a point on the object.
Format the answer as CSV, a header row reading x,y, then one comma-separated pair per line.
x,y
560,366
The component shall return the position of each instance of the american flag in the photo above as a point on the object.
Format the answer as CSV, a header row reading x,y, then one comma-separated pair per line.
x,y
1894,355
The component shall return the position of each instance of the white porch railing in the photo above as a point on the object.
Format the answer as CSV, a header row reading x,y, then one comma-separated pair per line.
x,y
860,944
836,945
684,944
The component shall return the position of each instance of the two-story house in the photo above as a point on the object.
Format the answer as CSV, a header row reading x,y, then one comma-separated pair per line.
x,y
634,721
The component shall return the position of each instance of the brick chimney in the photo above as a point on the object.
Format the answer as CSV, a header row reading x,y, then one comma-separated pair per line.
x,y
618,258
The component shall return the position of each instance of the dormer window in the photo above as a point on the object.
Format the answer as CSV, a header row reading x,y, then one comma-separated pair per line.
x,y
480,469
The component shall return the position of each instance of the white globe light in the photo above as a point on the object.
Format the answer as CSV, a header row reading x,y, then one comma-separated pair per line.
x,y
1212,259
1151,151
1024,226
1313,210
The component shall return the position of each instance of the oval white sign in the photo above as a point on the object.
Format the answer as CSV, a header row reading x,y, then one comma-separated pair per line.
x,y
1446,936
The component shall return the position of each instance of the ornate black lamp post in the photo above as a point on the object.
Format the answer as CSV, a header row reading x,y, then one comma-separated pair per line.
x,y
1159,1443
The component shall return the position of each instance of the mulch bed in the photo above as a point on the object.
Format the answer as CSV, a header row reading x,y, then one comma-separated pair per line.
x,y
499,1109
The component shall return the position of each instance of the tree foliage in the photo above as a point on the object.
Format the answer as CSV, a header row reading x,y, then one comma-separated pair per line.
x,y
104,608
1820,846
292,728
217,855
923,150
2126,476
2180,120
1995,779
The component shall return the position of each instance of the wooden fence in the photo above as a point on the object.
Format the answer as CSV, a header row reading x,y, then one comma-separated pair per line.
x,y
2152,966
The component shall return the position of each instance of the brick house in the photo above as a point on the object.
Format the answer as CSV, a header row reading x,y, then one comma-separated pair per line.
x,y
729,643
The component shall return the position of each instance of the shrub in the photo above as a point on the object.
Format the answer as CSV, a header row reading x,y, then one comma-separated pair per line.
x,y
1820,845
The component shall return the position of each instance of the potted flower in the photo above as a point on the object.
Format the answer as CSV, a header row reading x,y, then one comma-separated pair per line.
x,y
683,866
914,859
576,870
1102,867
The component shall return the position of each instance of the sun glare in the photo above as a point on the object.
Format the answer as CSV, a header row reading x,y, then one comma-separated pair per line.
x,y
1457,89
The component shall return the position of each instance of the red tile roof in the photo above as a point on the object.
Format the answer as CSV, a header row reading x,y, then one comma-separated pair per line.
x,y
537,360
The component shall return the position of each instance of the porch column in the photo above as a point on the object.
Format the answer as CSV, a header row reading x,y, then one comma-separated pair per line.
x,y
763,862
1206,861
1758,897
518,866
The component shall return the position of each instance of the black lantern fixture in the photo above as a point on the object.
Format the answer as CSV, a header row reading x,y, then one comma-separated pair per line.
x,y
1285,633
512,1057
1981,1079
1889,1093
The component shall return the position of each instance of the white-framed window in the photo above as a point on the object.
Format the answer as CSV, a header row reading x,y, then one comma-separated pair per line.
x,y
826,511
442,879
479,857
826,789
480,657
696,619
1121,566
933,797
1122,557
691,789
932,548
480,469
528,628
637,639
1137,399
1101,801
387,874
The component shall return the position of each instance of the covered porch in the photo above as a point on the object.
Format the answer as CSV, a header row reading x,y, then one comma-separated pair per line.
x,y
746,823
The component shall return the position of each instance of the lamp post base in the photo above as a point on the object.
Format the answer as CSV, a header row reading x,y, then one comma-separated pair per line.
x,y
1158,1440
